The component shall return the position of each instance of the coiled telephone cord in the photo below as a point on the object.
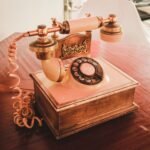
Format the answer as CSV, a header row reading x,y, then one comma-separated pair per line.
x,y
24,115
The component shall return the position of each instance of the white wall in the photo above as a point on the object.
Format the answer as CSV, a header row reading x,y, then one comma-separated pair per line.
x,y
22,15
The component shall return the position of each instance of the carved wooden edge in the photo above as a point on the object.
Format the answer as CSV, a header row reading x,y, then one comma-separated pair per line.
x,y
96,121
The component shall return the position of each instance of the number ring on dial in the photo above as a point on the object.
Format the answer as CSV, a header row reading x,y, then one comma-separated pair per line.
x,y
86,71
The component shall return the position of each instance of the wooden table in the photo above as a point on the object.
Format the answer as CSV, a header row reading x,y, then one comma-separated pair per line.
x,y
130,132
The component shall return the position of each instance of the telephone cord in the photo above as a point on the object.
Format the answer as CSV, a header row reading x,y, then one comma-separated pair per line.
x,y
24,115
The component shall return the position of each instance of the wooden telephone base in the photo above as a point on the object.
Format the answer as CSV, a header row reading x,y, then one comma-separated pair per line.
x,y
68,110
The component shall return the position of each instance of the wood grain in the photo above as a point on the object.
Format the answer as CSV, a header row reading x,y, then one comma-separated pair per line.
x,y
131,132
77,116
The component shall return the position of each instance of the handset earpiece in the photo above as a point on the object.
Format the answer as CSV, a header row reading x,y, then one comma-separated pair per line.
x,y
111,31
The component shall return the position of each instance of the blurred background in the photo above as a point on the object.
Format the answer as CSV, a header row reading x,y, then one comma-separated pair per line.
x,y
22,15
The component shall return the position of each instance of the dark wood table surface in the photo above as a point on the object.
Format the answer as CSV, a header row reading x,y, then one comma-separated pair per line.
x,y
130,132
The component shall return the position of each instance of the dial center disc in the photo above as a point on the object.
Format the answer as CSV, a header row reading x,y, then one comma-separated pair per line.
x,y
87,69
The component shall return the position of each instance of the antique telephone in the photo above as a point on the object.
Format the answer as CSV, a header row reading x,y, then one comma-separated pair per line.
x,y
66,62
52,51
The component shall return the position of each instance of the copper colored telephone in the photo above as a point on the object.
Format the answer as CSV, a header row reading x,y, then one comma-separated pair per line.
x,y
73,91
52,51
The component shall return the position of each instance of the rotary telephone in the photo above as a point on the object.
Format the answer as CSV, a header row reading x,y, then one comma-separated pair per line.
x,y
53,51
63,59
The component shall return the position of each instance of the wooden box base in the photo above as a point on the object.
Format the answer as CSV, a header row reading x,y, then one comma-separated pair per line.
x,y
66,115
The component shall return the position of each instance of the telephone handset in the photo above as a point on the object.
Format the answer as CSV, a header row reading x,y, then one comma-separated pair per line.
x,y
55,51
